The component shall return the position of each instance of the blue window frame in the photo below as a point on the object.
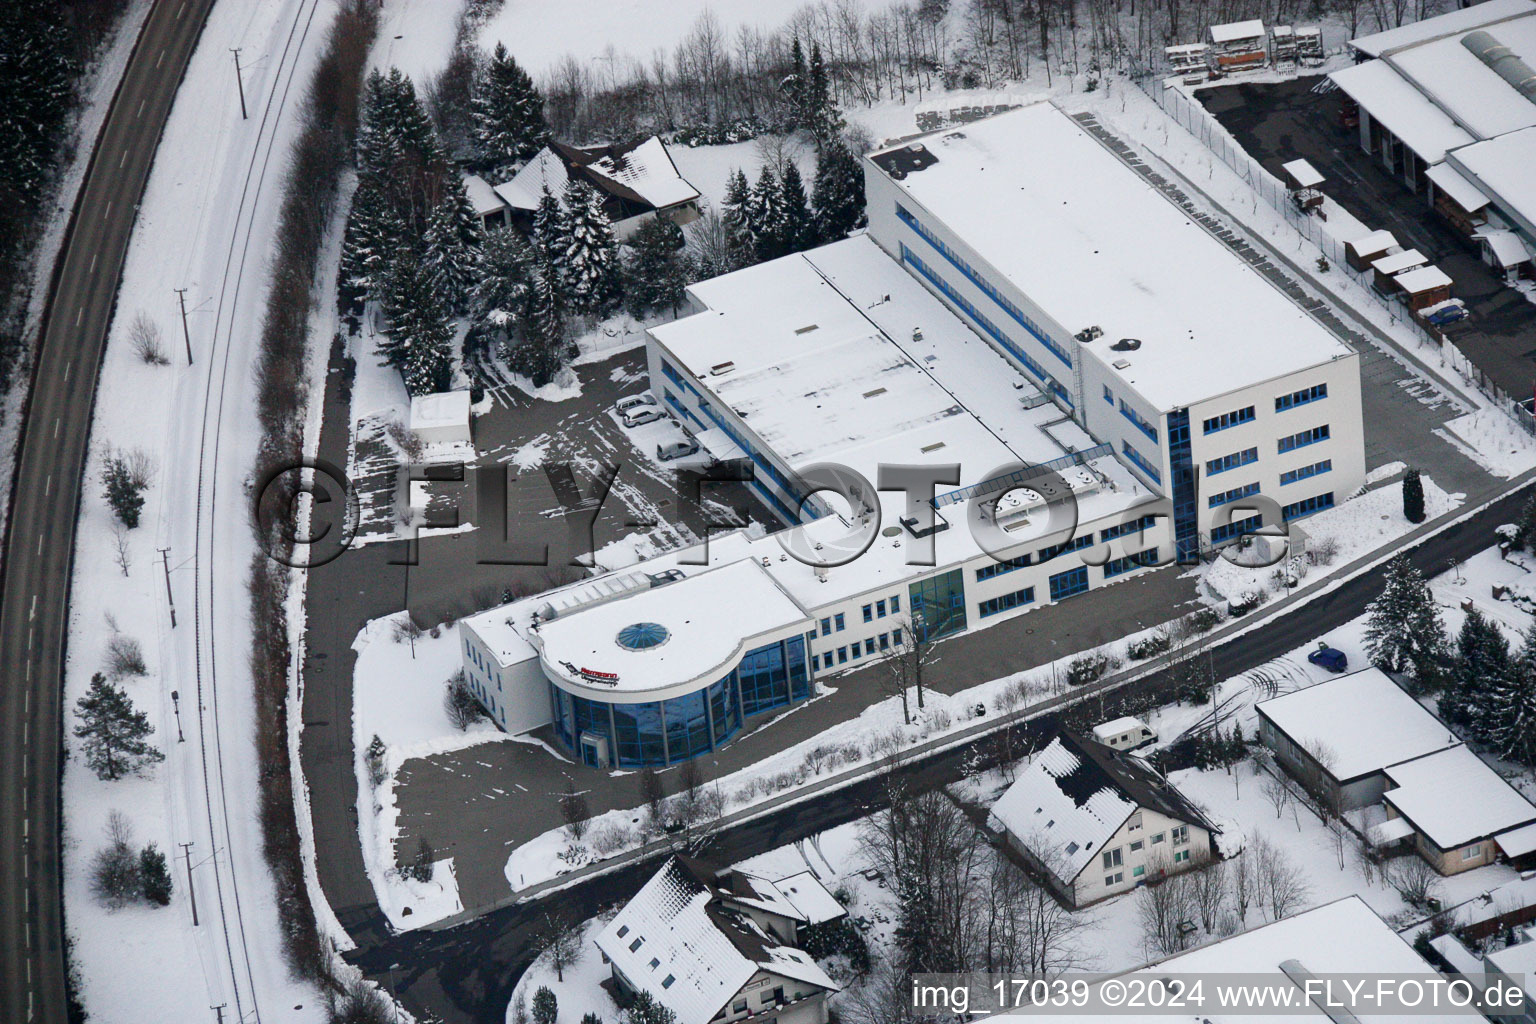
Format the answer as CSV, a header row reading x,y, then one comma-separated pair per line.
x,y
837,620
826,626
1075,544
1236,528
1228,419
869,646
1070,583
1109,396
815,662
880,608
1136,418
1303,438
1136,526
842,655
1120,566
869,613
1307,506
1227,497
885,641
1306,395
1003,602
895,603
896,637
986,572
938,604
1302,472
1231,461
1140,462
1181,466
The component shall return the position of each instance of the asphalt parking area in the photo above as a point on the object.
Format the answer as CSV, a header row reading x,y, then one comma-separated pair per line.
x,y
1279,121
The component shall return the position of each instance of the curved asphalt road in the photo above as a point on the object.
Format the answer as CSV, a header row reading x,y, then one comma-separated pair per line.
x,y
39,547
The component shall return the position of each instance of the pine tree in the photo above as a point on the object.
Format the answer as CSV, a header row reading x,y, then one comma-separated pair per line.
x,y
657,268
1526,537
644,1009
452,245
508,113
920,947
550,230
1482,667
37,69
591,260
736,209
798,231
826,121
765,216
1512,714
154,876
124,492
1404,633
545,1007
796,86
545,344
420,338
838,194
503,295
113,733
1413,497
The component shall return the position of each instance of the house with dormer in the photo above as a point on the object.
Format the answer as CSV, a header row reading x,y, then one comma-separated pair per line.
x,y
1094,821
718,946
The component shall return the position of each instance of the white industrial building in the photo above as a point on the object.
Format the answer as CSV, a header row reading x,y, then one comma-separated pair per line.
x,y
1449,105
1058,460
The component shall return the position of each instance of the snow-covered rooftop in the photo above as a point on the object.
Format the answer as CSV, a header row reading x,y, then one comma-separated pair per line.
x,y
1109,250
482,196
649,171
1398,262
811,898
1234,31
1405,111
1517,961
545,170
1379,240
1454,22
1467,88
1118,726
1303,173
680,638
676,941
1343,937
1454,798
1423,279
442,409
1502,168
1467,195
1063,828
1508,248
1363,722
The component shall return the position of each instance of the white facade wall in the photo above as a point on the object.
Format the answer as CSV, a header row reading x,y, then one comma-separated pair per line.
x,y
515,695
1097,882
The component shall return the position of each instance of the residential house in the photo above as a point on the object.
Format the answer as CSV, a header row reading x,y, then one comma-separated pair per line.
x,y
1461,812
637,180
718,946
1096,821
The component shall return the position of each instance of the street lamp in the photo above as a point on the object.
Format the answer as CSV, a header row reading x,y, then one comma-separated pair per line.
x,y
176,706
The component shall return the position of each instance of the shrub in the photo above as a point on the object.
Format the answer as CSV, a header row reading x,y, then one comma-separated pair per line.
x,y
144,336
608,839
123,492
545,1007
116,880
125,657
1148,647
838,936
419,867
460,703
1203,621
362,1003
155,876
1089,667
375,758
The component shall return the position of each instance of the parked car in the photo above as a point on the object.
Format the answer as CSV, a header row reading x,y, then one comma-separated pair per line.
x,y
1330,658
1448,313
676,450
642,414
633,402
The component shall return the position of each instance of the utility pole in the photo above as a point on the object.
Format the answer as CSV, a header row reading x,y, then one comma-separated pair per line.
x,y
220,1011
176,706
186,850
186,336
239,81
165,560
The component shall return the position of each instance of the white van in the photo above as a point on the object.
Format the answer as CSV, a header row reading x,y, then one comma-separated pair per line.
x,y
1124,734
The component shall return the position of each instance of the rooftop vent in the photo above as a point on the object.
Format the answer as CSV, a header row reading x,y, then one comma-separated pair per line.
x,y
872,394
1127,345
719,368
1089,334
925,449
1121,364
806,330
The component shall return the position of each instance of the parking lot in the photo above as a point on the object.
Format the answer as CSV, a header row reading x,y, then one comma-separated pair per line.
x,y
1279,121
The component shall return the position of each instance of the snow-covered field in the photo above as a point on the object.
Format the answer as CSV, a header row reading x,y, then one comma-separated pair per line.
x,y
213,195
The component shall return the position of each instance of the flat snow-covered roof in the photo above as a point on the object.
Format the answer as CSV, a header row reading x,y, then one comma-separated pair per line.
x,y
1464,86
1107,249
1303,173
1398,262
1454,798
1423,279
1333,716
1377,241
441,409
693,644
1405,111
1502,168
1236,30
1448,180
1464,20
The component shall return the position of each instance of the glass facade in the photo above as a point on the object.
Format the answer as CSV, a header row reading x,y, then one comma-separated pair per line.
x,y
938,604
669,731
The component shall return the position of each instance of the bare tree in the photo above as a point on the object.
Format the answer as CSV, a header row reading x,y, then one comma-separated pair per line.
x,y
144,336
574,812
562,942
1277,792
652,793
1211,892
1163,907
1282,885
1415,881
1244,884
121,553
908,661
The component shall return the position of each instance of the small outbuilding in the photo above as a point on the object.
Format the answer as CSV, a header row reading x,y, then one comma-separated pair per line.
x,y
441,418
1360,253
1506,252
1386,269
1239,45
1425,286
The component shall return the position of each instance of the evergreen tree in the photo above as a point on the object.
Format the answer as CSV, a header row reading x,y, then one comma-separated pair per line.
x,y
796,86
657,268
826,121
798,231
37,69
1403,632
1481,668
919,944
124,491
1413,497
591,262
765,216
451,245
737,209
838,194
1511,725
1526,537
420,338
394,126
545,1007
372,236
644,1009
154,876
114,735
550,231
503,295
508,113
545,343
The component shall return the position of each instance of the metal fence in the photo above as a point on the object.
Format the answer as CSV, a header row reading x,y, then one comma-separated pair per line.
x,y
1200,123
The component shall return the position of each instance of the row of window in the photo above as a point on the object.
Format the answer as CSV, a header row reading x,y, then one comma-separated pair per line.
x,y
1303,438
1141,462
1179,835
877,609
1303,472
1120,566
1075,544
856,650
996,333
1227,497
1236,528
1003,602
986,286
1302,397
1228,419
1307,506
1232,461
986,572
1136,418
